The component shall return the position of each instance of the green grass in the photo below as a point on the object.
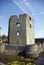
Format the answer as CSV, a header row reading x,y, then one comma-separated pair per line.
x,y
16,60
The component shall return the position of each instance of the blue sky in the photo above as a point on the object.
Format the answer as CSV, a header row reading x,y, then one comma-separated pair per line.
x,y
34,8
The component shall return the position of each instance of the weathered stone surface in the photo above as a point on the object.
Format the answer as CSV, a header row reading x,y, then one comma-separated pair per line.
x,y
2,47
2,63
32,50
25,31
13,50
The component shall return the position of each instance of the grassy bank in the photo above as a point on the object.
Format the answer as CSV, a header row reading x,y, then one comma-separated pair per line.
x,y
17,60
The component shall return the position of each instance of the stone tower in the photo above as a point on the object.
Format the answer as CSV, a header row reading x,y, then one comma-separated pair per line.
x,y
21,30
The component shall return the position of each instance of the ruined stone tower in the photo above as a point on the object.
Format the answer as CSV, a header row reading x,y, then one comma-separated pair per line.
x,y
21,30
21,36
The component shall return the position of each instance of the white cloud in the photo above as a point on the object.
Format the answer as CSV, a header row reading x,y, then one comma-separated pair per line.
x,y
24,6
19,6
38,13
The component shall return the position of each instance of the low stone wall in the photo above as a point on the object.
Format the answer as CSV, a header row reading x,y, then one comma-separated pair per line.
x,y
2,47
32,50
17,48
40,48
13,50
